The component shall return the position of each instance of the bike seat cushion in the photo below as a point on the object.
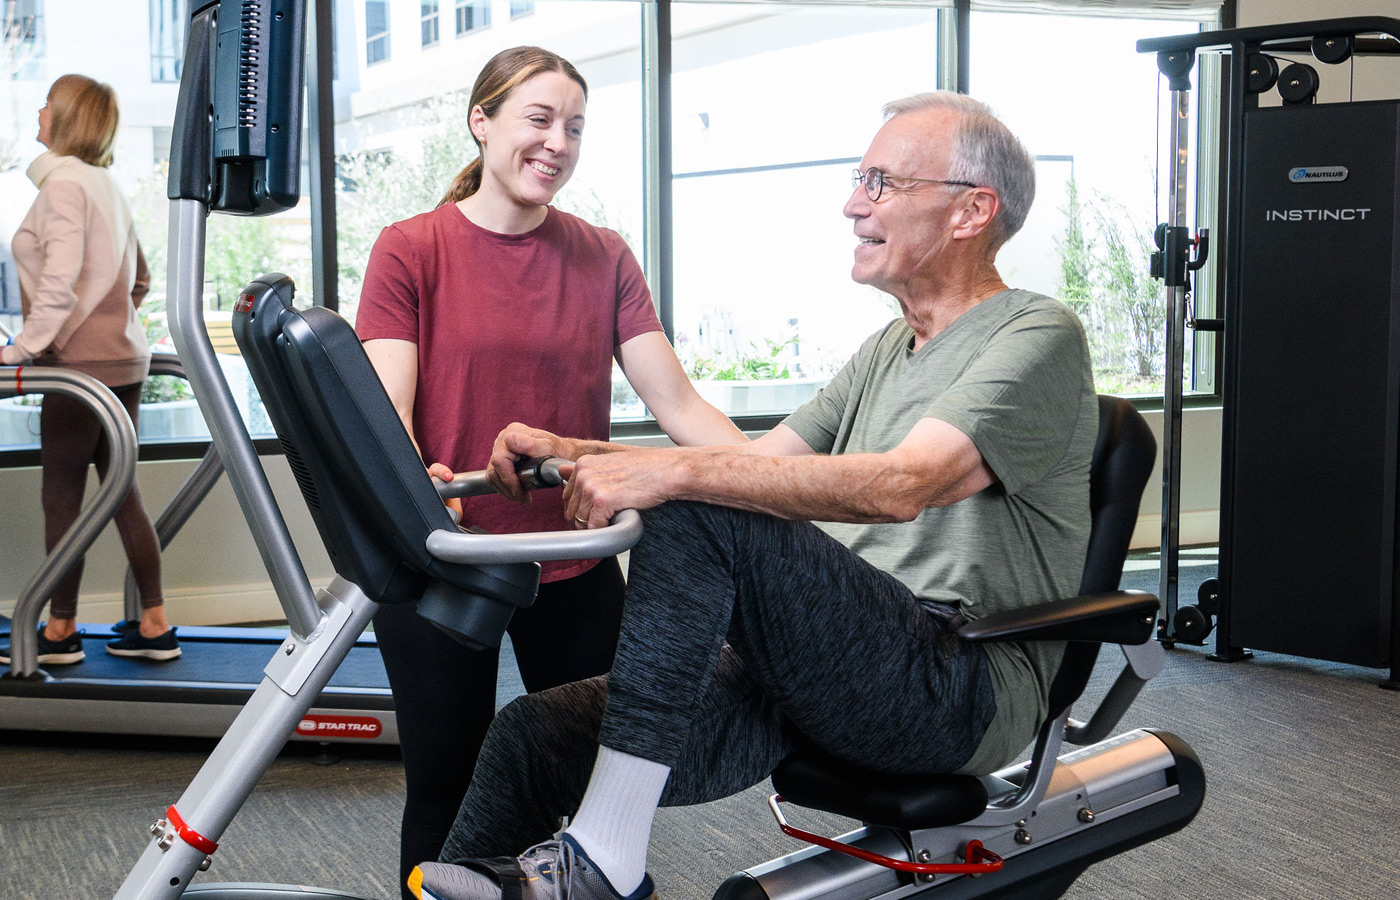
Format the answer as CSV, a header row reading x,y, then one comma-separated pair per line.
x,y
814,779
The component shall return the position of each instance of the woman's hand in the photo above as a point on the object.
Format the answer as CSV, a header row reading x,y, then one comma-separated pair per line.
x,y
443,473
515,443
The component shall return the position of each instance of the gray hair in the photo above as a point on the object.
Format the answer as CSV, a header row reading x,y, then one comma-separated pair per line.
x,y
984,152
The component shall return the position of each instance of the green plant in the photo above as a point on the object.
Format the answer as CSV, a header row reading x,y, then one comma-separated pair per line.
x,y
760,363
1104,278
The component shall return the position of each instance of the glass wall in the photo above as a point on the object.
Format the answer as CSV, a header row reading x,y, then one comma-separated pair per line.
x,y
772,104
1092,119
78,37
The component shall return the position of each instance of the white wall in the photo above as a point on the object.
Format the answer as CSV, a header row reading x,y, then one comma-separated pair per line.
x,y
212,572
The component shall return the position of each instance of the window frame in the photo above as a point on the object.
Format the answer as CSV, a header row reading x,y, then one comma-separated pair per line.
x,y
430,21
478,8
380,38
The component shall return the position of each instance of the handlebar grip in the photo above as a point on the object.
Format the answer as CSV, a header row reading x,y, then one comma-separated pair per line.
x,y
500,549
539,472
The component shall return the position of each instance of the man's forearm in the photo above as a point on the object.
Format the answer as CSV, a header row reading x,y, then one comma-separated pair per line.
x,y
866,487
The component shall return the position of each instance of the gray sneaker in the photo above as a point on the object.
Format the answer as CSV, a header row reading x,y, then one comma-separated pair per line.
x,y
554,870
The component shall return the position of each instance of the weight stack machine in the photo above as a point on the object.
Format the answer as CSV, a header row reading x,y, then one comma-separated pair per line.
x,y
1309,562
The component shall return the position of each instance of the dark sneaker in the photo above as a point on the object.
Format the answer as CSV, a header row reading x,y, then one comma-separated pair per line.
x,y
554,870
53,653
126,625
133,644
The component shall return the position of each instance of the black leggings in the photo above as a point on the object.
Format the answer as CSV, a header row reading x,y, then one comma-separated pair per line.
x,y
445,694
70,440
744,638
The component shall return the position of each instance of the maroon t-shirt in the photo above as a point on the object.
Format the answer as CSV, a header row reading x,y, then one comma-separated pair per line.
x,y
509,327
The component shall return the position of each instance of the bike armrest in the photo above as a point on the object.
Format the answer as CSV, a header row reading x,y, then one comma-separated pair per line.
x,y
1113,617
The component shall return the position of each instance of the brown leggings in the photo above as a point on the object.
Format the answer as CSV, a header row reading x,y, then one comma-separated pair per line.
x,y
71,439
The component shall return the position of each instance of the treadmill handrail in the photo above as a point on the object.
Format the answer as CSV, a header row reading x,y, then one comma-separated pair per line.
x,y
492,549
167,364
121,474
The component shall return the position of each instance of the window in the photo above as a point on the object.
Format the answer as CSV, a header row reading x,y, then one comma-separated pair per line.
x,y
169,19
238,247
429,12
1090,231
772,103
760,185
376,31
401,152
472,16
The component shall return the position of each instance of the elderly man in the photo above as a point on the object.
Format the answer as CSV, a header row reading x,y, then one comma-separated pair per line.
x,y
948,466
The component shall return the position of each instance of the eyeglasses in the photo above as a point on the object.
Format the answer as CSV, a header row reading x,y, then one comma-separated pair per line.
x,y
874,181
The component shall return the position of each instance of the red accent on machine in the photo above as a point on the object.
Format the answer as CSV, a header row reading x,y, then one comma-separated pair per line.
x,y
188,834
366,727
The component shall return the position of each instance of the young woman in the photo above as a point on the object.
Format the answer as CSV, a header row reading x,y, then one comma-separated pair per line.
x,y
81,277
497,307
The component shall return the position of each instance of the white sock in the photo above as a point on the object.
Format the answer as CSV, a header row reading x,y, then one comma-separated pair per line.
x,y
613,824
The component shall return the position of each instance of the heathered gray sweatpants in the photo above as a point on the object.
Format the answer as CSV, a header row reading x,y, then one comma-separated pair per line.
x,y
743,637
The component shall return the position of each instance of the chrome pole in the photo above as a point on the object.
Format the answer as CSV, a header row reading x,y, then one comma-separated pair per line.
x,y
1175,357
230,435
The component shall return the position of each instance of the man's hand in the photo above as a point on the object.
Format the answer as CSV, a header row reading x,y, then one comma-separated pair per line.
x,y
601,486
443,473
518,442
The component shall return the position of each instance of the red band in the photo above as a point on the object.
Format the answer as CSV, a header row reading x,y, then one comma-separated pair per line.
x,y
188,834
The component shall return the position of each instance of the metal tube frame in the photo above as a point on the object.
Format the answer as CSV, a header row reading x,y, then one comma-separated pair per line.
x,y
292,681
1175,361
230,436
121,474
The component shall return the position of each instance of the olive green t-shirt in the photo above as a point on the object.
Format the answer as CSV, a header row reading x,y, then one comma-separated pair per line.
x,y
1013,374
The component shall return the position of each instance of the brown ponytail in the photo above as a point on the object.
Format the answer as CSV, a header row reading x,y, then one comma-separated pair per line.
x,y
467,182
501,75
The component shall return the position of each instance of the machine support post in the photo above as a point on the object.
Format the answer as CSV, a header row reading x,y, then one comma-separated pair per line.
x,y
1175,246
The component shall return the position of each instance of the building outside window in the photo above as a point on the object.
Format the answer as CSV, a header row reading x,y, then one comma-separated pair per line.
x,y
521,9
169,18
376,31
429,11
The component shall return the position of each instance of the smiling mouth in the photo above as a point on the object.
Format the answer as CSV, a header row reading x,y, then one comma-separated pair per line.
x,y
541,167
866,242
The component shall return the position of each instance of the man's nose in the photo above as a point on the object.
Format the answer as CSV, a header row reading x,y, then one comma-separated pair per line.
x,y
858,204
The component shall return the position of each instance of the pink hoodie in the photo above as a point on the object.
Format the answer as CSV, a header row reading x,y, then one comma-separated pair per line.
x,y
81,276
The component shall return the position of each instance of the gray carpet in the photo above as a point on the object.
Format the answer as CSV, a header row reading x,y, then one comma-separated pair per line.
x,y
1302,757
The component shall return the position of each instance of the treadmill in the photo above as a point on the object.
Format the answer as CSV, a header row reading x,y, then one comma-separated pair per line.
x,y
197,695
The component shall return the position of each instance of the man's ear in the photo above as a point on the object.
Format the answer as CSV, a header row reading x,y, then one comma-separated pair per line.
x,y
975,214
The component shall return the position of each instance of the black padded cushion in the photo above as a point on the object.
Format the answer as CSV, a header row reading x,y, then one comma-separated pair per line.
x,y
1123,456
814,779
362,480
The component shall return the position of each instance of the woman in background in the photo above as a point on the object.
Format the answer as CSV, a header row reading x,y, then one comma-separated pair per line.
x,y
493,308
81,277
